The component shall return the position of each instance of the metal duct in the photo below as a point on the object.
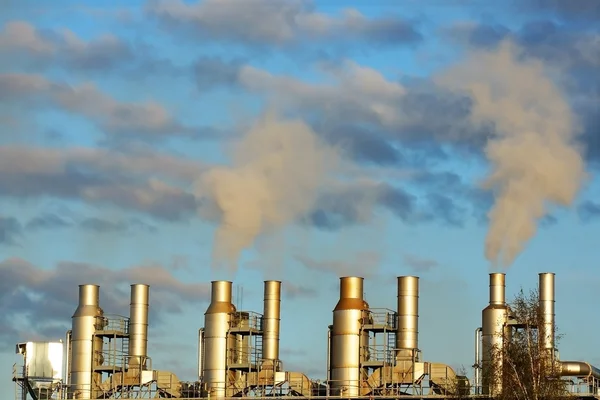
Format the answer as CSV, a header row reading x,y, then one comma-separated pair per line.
x,y
271,322
345,338
84,323
407,337
216,327
494,318
546,304
138,325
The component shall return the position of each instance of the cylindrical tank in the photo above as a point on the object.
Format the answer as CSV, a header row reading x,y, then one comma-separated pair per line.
x,y
494,318
271,322
546,304
85,321
407,338
346,338
216,327
138,325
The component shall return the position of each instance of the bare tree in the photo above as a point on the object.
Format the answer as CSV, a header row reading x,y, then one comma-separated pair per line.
x,y
522,367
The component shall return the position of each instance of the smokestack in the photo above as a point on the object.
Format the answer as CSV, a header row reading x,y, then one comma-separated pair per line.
x,y
216,326
138,325
546,304
84,323
345,338
407,339
493,318
271,321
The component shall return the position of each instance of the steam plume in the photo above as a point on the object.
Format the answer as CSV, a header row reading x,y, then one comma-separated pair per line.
x,y
277,171
534,158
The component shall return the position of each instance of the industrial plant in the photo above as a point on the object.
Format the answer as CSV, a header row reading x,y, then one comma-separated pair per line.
x,y
371,352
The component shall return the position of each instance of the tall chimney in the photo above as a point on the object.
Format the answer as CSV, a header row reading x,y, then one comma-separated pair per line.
x,y
407,339
546,304
216,326
345,338
494,318
86,319
271,322
138,325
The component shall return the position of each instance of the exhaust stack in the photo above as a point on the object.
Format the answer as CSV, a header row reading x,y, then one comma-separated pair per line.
x,y
216,327
138,326
546,304
407,339
346,338
493,331
86,319
271,324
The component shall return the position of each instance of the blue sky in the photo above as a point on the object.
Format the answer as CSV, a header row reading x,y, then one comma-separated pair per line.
x,y
172,143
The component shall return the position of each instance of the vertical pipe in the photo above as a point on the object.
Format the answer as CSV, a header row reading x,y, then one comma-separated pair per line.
x,y
345,338
138,325
494,318
200,354
407,339
546,304
216,330
84,324
68,359
271,322
477,365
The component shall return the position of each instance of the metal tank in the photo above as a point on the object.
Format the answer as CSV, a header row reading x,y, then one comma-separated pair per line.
x,y
271,323
216,327
407,337
138,326
87,318
494,318
346,338
546,304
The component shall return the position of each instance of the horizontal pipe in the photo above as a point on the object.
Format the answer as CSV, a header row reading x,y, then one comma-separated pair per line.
x,y
578,368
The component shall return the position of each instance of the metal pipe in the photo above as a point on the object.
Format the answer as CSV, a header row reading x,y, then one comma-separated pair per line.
x,y
579,369
477,365
271,321
546,304
200,354
345,338
494,318
216,326
84,324
407,338
329,328
68,358
138,325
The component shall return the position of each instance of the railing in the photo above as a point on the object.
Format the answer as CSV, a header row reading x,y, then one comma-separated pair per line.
x,y
115,323
246,319
383,317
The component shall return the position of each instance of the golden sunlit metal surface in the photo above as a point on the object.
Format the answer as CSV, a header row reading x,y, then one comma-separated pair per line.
x,y
271,321
138,325
407,338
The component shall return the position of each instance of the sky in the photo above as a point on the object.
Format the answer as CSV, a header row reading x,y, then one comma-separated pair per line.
x,y
174,142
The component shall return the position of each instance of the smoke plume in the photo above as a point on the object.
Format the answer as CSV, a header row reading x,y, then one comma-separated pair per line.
x,y
277,171
535,160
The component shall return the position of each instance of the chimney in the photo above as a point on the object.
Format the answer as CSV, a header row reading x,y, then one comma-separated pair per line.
x,y
271,322
138,326
546,304
407,339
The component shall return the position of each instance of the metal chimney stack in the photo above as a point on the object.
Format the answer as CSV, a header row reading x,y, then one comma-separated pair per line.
x,y
345,338
84,323
216,327
546,304
407,338
138,326
271,323
494,318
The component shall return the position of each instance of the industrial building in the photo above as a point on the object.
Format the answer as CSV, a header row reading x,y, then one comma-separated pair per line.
x,y
371,352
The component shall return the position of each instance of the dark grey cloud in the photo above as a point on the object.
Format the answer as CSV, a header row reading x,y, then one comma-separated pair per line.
x,y
145,119
290,23
134,182
365,263
48,221
26,47
210,72
293,291
419,264
44,299
577,10
588,211
10,230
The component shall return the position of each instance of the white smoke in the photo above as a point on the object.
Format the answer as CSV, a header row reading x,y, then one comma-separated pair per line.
x,y
535,159
277,171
